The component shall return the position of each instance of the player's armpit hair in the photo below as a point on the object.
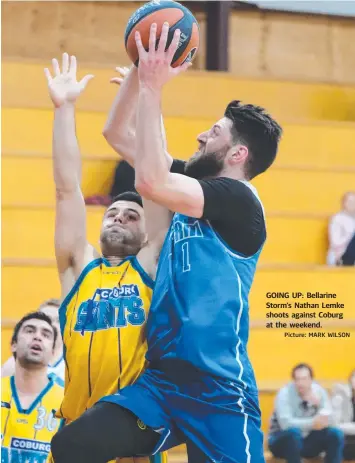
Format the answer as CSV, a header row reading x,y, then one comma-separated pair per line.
x,y
255,128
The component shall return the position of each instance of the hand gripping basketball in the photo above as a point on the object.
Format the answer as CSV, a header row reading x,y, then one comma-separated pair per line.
x,y
154,68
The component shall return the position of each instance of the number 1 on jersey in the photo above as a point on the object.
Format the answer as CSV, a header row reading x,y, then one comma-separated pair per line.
x,y
186,267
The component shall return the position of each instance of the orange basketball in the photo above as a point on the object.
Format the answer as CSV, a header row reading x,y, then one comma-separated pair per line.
x,y
160,11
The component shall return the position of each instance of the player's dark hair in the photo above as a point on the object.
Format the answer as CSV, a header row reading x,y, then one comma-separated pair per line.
x,y
33,316
128,196
255,128
300,366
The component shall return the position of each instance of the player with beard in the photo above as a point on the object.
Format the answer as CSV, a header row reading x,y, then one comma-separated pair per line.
x,y
30,397
199,387
106,298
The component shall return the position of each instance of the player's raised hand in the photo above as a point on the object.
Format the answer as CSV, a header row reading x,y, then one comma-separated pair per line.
x,y
64,87
123,74
154,68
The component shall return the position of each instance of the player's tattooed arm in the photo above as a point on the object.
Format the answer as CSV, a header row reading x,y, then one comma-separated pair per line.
x,y
120,127
71,248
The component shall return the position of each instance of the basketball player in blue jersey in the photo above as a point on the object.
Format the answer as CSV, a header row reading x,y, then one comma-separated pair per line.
x,y
199,387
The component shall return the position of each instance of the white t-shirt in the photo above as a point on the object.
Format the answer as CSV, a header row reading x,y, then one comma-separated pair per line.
x,y
340,231
57,368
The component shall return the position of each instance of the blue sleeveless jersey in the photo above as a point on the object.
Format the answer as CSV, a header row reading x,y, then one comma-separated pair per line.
x,y
199,311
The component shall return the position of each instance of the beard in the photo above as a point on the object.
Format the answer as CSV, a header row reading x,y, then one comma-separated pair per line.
x,y
204,165
120,244
32,362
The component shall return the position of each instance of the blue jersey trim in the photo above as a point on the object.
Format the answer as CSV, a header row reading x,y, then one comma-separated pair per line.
x,y
165,244
240,314
35,402
61,424
57,362
156,459
56,379
108,263
144,275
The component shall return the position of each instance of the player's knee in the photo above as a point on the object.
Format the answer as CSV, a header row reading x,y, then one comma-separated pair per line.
x,y
59,445
66,446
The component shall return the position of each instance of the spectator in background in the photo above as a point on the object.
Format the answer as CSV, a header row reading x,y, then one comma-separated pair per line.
x,y
343,401
348,258
57,364
30,398
341,230
300,422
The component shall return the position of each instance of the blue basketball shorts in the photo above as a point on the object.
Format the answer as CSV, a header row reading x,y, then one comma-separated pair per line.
x,y
217,419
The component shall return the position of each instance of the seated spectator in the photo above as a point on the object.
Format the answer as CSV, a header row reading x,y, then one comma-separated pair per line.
x,y
57,364
348,258
30,398
341,230
343,401
123,181
300,423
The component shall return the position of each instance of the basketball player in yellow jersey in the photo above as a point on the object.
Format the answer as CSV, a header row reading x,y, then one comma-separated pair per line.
x,y
30,398
105,298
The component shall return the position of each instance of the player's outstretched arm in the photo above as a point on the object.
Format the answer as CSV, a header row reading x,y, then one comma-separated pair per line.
x,y
120,132
120,127
71,247
153,179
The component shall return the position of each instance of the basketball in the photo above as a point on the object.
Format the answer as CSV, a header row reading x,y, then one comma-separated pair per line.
x,y
160,11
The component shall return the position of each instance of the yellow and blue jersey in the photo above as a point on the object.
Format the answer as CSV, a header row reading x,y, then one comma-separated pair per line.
x,y
26,434
103,327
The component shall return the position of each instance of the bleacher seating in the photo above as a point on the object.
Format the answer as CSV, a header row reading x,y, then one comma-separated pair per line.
x,y
313,170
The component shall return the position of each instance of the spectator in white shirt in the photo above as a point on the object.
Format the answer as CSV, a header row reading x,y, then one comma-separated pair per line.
x,y
300,426
341,229
57,365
